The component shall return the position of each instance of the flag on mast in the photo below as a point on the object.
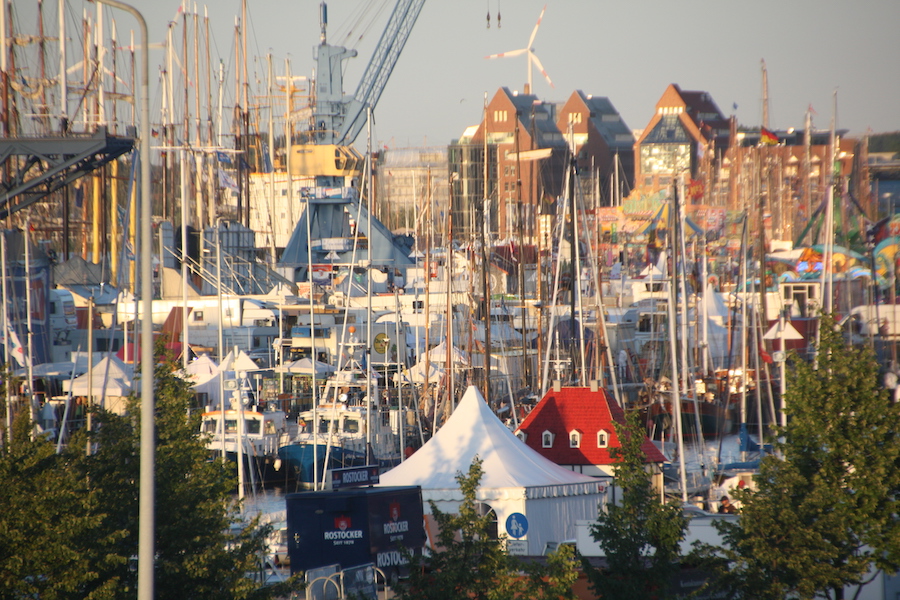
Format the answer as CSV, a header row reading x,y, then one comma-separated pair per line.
x,y
16,350
767,138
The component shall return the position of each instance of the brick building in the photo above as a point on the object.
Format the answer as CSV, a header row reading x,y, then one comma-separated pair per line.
x,y
686,133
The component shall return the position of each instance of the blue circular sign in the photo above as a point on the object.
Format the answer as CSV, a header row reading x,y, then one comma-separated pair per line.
x,y
516,525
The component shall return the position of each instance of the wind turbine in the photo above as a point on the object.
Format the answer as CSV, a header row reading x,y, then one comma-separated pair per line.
x,y
529,52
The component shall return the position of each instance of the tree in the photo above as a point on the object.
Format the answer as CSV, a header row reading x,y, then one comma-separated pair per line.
x,y
48,520
71,529
641,537
825,512
202,548
469,564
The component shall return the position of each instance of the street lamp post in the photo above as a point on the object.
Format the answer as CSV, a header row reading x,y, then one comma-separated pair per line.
x,y
146,548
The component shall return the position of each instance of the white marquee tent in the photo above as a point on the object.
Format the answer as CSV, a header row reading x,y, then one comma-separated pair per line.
x,y
205,375
516,478
109,383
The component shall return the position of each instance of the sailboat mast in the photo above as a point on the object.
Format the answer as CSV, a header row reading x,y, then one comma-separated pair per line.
x,y
573,281
63,92
520,262
673,351
448,277
576,288
765,94
370,190
827,267
485,265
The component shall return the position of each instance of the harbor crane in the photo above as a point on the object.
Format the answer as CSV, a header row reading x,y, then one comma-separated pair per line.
x,y
338,118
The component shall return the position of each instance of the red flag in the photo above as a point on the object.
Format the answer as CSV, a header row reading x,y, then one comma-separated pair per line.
x,y
767,137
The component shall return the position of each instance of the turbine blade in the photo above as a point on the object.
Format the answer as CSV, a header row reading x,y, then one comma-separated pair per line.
x,y
536,25
508,54
538,64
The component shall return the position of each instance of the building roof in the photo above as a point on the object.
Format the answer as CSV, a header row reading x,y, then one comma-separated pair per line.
x,y
583,410
695,111
607,120
544,123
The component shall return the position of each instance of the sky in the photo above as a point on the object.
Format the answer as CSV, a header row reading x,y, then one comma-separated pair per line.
x,y
628,51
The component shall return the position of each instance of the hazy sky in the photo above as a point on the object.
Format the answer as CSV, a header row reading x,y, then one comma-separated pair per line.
x,y
628,51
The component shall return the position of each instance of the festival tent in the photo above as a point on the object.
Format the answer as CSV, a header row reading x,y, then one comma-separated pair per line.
x,y
304,366
419,374
200,370
438,354
203,375
108,382
660,222
527,492
227,371
241,362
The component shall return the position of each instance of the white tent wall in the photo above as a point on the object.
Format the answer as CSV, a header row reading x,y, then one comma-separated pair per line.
x,y
516,478
554,519
550,519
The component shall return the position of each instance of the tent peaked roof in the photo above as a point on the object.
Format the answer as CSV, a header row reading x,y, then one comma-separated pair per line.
x,y
473,429
715,305
242,362
201,370
110,377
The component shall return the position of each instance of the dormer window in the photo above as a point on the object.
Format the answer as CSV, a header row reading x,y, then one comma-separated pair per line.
x,y
521,435
574,439
602,439
547,439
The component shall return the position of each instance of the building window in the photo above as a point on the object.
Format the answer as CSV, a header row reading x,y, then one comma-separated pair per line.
x,y
547,439
522,435
574,439
602,439
198,315
575,118
500,116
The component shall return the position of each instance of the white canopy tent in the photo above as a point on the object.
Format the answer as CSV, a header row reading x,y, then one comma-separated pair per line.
x,y
203,374
438,354
207,380
240,362
516,478
200,370
109,380
417,373
304,366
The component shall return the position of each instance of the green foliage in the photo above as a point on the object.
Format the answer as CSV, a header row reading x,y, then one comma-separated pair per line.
x,y
75,528
826,512
469,564
885,142
641,536
48,520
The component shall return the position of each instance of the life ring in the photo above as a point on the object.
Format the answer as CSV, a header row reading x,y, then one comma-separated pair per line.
x,y
713,280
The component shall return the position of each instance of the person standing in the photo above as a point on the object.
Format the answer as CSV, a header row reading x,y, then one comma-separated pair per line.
x,y
623,365
726,507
